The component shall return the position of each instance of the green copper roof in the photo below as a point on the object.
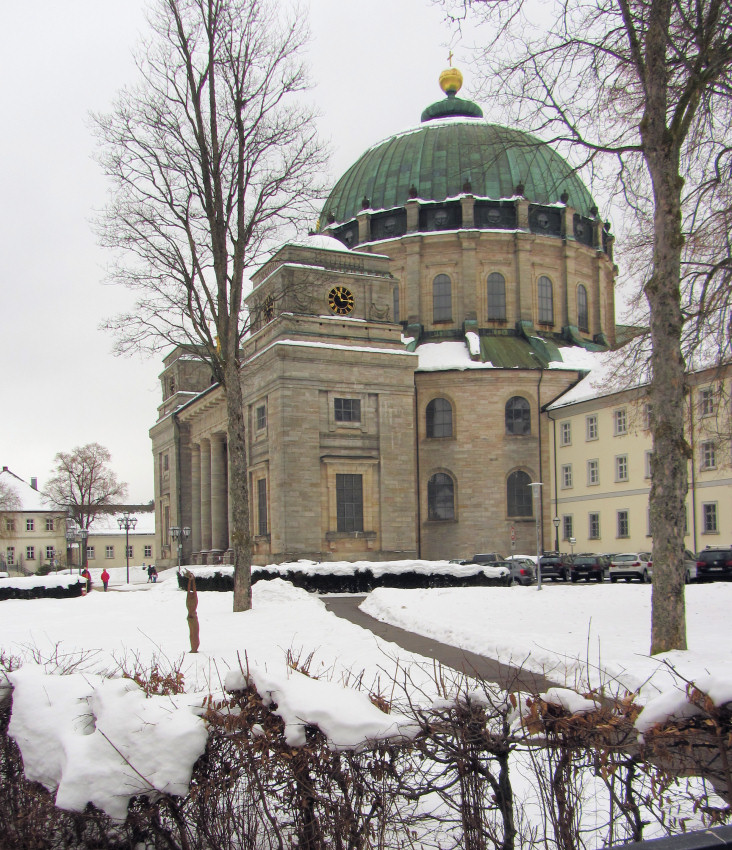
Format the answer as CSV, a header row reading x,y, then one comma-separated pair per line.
x,y
441,154
452,106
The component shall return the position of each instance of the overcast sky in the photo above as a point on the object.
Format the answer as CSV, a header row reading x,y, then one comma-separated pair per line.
x,y
374,67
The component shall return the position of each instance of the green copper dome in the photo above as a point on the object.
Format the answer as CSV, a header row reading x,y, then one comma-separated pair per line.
x,y
448,154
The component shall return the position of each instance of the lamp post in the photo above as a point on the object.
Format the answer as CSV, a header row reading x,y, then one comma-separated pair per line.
x,y
179,535
127,522
71,538
83,534
536,496
555,522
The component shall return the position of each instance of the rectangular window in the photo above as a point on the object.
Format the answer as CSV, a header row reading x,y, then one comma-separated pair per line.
x,y
9,525
30,525
148,551
621,467
594,526
261,417
566,476
395,294
706,401
347,409
30,553
708,455
591,427
623,524
129,552
50,553
349,502
567,527
109,552
10,556
647,416
166,463
709,518
262,522
620,422
90,553
593,472
649,464
565,434
49,523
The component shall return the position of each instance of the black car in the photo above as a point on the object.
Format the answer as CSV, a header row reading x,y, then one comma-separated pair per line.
x,y
589,566
714,562
556,566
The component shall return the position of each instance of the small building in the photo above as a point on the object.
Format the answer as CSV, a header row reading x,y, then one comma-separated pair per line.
x,y
32,535
105,546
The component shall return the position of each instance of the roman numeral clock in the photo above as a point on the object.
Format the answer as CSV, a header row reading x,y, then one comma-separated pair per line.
x,y
341,301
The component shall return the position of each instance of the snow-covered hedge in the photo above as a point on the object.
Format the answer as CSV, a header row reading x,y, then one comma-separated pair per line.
x,y
42,587
356,576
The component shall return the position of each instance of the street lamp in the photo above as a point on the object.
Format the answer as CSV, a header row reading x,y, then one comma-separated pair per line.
x,y
127,522
83,533
180,534
536,495
71,538
555,522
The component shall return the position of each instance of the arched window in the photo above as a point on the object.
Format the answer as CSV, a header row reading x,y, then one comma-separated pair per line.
x,y
583,319
518,416
546,301
440,497
496,296
439,418
442,299
518,494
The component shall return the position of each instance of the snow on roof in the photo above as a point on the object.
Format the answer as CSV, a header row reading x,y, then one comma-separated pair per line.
x,y
441,356
303,344
320,240
603,368
30,499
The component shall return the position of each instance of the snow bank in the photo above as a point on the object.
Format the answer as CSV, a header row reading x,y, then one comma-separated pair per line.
x,y
102,741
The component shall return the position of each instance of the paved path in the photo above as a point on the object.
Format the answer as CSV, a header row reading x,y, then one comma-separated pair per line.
x,y
510,678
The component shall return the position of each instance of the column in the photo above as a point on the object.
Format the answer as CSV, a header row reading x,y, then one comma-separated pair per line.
x,y
219,513
195,498
205,495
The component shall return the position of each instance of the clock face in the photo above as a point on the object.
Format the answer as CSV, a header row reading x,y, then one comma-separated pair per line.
x,y
340,300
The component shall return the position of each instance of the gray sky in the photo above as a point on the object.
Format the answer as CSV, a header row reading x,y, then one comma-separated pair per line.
x,y
374,67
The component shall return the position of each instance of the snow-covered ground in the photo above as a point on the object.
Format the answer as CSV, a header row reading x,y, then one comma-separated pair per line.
x,y
575,634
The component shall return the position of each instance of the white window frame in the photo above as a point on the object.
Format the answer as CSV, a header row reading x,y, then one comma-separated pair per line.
x,y
50,553
647,415
620,422
593,518
707,405
593,472
710,518
109,552
623,519
30,553
621,468
147,552
90,556
567,526
591,427
708,455
30,524
567,476
10,556
49,523
649,463
565,433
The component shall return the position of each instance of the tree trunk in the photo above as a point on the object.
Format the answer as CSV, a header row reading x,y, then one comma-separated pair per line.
x,y
670,449
240,535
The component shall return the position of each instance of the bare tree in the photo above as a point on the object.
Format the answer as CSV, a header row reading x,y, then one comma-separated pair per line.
x,y
640,90
83,484
9,499
212,159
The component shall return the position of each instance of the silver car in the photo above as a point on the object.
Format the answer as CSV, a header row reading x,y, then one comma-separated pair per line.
x,y
631,565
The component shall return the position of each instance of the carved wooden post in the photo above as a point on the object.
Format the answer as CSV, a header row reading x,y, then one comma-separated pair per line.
x,y
192,605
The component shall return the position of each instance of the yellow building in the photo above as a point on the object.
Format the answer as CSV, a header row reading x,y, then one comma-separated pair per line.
x,y
601,451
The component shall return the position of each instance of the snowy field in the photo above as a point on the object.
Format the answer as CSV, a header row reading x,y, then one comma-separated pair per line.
x,y
575,634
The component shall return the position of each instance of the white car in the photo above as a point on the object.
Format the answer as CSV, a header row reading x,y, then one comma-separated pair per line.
x,y
630,565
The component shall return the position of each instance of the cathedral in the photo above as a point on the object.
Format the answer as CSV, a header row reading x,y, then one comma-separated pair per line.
x,y
402,360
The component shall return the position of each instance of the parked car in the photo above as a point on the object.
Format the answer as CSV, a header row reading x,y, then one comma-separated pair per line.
x,y
589,566
690,567
630,565
487,558
523,570
556,566
714,562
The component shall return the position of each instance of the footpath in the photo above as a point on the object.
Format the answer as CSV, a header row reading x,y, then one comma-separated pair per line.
x,y
478,666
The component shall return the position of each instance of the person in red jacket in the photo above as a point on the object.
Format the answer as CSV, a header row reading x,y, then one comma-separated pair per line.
x,y
105,579
87,575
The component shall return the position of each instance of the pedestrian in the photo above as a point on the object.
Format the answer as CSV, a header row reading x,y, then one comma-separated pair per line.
x,y
105,579
154,574
87,575
150,573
